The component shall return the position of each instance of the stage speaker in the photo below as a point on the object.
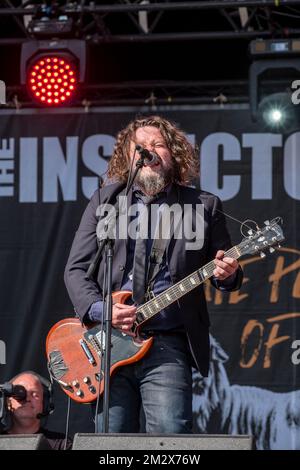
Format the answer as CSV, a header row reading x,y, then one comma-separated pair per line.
x,y
24,442
161,442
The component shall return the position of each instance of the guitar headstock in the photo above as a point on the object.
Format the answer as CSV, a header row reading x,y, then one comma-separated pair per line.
x,y
259,240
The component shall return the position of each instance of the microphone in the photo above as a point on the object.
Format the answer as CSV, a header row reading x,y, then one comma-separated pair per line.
x,y
15,391
150,158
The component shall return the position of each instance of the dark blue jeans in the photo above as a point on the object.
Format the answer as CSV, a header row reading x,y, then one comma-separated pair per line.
x,y
161,383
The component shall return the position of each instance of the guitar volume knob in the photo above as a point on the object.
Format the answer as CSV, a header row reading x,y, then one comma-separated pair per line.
x,y
87,380
79,393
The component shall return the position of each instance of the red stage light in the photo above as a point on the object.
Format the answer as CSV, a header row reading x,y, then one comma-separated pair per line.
x,y
49,80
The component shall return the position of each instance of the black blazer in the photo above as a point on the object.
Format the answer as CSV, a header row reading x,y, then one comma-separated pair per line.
x,y
84,293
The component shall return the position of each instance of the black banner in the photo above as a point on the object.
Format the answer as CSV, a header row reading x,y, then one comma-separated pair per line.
x,y
50,165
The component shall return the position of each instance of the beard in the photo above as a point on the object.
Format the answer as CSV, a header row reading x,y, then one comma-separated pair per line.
x,y
153,183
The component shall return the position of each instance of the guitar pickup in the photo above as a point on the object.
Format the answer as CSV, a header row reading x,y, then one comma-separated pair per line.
x,y
87,352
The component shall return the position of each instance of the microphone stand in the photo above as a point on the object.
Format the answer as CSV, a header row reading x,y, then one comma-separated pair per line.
x,y
107,243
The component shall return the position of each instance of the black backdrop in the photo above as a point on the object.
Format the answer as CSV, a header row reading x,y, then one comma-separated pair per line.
x,y
49,167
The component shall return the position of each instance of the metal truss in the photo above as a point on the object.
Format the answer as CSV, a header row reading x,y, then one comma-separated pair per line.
x,y
133,22
127,21
153,94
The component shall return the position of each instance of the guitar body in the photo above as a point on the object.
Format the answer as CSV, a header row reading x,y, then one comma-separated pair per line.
x,y
75,353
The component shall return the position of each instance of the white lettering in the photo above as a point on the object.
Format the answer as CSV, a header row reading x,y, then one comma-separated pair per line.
x,y
291,166
229,186
296,354
262,155
94,149
296,95
28,182
6,167
57,168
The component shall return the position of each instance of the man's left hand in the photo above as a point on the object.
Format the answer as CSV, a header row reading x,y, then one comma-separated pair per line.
x,y
225,267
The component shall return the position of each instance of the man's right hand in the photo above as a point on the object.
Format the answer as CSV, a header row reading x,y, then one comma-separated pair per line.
x,y
123,317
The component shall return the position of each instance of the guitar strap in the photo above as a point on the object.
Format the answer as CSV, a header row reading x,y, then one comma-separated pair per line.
x,y
160,243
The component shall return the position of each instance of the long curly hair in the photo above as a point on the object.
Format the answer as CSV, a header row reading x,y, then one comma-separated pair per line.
x,y
184,155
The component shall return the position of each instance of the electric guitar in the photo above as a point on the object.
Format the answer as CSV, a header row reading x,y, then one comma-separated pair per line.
x,y
75,351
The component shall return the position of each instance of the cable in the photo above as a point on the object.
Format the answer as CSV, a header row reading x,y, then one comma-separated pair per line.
x,y
240,222
292,9
67,423
248,226
288,15
255,230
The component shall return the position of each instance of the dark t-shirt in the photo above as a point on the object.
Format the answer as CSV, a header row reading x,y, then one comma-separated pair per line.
x,y
55,439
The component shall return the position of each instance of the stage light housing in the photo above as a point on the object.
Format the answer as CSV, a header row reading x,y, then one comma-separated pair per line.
x,y
279,61
51,27
53,70
274,47
52,79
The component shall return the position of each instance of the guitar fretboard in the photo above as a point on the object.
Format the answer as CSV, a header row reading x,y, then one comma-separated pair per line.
x,y
178,290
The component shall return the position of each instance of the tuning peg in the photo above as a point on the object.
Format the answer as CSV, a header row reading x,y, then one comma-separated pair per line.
x,y
250,232
267,222
271,249
262,254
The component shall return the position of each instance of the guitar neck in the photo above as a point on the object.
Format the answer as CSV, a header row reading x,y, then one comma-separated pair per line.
x,y
178,290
